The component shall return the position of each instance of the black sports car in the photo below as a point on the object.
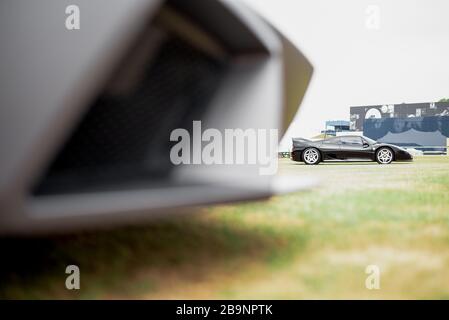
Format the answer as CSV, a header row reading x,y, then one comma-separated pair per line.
x,y
351,148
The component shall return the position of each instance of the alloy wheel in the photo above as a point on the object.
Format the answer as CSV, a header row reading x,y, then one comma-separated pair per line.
x,y
384,156
311,156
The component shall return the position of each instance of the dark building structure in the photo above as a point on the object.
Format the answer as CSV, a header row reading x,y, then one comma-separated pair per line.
x,y
358,114
424,133
424,126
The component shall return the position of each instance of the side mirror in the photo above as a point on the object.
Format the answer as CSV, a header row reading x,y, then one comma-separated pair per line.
x,y
365,145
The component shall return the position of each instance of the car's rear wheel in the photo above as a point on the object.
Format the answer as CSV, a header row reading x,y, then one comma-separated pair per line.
x,y
384,156
311,156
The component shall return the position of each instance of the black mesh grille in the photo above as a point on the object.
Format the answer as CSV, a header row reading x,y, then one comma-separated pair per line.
x,y
124,139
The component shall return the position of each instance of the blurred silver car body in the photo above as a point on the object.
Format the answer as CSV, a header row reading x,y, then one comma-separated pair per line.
x,y
63,89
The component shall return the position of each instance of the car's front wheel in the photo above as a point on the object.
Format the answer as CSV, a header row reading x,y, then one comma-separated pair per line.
x,y
311,156
384,156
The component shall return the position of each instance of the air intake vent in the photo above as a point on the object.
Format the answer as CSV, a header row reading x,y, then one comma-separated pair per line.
x,y
122,141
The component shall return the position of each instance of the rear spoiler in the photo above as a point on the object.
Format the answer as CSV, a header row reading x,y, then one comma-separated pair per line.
x,y
300,141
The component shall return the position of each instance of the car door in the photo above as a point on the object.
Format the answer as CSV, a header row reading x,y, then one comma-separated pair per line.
x,y
354,148
331,149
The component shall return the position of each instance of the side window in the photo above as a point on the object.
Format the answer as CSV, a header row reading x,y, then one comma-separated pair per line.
x,y
352,141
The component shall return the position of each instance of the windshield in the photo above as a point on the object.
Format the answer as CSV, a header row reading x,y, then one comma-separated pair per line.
x,y
370,141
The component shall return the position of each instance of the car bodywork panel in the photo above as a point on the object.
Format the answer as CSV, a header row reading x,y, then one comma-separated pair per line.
x,y
87,116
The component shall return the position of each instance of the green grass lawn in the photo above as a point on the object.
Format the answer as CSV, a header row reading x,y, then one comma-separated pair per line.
x,y
313,244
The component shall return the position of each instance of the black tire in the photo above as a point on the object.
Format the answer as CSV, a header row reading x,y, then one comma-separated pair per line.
x,y
384,155
311,156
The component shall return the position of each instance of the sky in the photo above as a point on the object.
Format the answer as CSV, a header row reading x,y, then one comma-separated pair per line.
x,y
363,53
